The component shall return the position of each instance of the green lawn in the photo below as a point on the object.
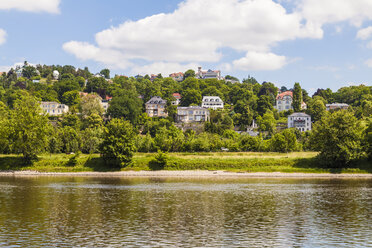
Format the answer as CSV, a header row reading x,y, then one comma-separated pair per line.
x,y
238,161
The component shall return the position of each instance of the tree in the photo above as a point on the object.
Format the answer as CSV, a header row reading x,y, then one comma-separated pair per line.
x,y
91,104
125,104
29,128
98,85
297,97
316,109
106,73
4,128
191,96
267,122
71,98
118,146
338,138
284,142
189,73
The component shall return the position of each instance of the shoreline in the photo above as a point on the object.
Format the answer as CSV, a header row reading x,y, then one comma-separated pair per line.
x,y
185,174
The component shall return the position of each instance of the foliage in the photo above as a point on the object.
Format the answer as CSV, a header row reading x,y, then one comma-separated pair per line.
x,y
338,137
91,104
29,129
297,97
118,147
160,161
125,104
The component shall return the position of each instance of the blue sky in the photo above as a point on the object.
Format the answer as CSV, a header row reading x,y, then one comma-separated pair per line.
x,y
318,43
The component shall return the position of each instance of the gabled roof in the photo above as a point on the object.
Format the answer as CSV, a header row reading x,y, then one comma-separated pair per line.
x,y
177,95
299,114
156,100
283,94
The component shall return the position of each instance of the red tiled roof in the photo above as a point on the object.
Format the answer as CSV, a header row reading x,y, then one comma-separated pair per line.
x,y
177,95
285,93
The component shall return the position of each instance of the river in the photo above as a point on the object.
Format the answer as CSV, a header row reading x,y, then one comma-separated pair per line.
x,y
170,212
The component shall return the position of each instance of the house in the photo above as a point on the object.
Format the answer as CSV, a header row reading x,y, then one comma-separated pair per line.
x,y
333,106
178,99
54,108
177,76
208,74
213,102
301,121
192,114
284,101
155,107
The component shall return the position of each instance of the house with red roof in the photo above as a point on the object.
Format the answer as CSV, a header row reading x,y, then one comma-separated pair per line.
x,y
284,101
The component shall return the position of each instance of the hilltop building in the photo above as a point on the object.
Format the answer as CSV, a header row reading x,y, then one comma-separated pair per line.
x,y
177,76
284,101
155,107
208,74
301,121
213,102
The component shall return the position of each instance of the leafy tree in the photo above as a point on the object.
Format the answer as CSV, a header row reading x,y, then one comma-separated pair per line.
x,y
71,98
267,122
98,85
189,73
29,71
106,73
91,139
64,86
5,128
284,142
338,138
91,104
125,104
118,146
29,128
191,97
71,139
297,97
316,109
264,104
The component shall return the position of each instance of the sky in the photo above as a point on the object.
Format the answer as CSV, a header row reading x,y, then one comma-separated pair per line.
x,y
319,43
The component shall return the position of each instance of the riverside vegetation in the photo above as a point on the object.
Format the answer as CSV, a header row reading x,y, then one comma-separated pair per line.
x,y
124,135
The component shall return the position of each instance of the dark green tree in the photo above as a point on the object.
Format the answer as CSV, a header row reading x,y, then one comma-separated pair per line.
x,y
297,97
118,144
106,73
338,137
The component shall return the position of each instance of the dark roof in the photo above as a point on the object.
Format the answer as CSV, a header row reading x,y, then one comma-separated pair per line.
x,y
156,100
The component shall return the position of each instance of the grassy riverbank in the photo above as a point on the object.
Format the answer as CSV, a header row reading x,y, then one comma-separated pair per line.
x,y
304,162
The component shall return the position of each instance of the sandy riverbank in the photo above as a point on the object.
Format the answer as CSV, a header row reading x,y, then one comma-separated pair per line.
x,y
185,173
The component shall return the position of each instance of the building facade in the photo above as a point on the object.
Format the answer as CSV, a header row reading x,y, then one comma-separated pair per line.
x,y
178,99
213,102
54,108
333,106
192,114
301,121
177,76
155,107
284,101
208,74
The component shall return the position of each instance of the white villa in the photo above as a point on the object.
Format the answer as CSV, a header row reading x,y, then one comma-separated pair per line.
x,y
208,74
301,121
284,101
192,114
213,102
54,108
333,106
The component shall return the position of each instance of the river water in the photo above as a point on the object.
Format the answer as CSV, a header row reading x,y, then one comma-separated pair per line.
x,y
158,212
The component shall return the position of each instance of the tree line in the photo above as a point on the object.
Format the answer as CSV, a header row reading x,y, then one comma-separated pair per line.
x,y
342,137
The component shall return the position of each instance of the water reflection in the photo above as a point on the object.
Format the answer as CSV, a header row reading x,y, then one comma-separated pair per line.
x,y
118,212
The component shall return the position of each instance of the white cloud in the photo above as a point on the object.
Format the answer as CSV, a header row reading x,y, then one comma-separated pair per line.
x,y
260,61
368,63
164,68
2,36
196,32
50,6
199,30
364,33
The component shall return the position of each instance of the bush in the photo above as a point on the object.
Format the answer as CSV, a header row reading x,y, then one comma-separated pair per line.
x,y
160,161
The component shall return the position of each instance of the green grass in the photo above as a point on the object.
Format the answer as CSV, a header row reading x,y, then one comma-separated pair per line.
x,y
238,162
